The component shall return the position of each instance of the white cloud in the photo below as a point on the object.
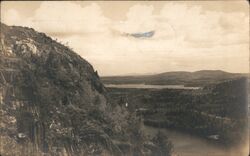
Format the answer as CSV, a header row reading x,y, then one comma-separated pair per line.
x,y
139,19
199,26
63,18
67,17
186,37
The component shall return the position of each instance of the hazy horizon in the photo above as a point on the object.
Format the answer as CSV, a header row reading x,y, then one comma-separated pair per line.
x,y
186,36
142,74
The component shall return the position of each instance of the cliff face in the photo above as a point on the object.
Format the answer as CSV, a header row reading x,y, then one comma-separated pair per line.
x,y
51,99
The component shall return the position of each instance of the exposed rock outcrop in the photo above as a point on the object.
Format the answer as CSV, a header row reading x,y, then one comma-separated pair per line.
x,y
52,100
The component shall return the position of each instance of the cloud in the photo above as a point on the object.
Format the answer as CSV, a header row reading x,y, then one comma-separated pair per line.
x,y
202,26
63,18
187,37
139,19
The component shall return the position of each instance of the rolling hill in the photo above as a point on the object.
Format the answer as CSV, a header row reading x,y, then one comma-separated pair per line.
x,y
198,78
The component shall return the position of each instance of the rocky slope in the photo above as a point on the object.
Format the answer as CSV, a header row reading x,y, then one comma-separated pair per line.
x,y
53,103
52,100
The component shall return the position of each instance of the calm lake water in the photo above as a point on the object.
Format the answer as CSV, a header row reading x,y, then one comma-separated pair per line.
x,y
189,145
145,86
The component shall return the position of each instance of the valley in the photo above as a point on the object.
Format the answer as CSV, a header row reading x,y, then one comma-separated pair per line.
x,y
214,114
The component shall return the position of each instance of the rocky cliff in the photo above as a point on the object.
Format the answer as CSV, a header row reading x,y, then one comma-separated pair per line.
x,y
52,100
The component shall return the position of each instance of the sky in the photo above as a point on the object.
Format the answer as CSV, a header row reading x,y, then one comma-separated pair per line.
x,y
188,35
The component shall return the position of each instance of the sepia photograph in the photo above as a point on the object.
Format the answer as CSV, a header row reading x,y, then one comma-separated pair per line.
x,y
124,78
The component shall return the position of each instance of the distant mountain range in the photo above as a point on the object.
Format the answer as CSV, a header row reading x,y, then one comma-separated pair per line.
x,y
198,78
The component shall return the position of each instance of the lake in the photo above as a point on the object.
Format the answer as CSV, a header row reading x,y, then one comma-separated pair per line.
x,y
189,145
146,86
